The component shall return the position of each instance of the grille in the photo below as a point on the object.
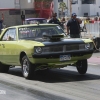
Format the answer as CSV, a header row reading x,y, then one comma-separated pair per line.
x,y
72,47
56,49
65,48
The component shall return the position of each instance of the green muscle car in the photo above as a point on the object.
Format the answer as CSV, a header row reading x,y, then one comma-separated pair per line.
x,y
42,46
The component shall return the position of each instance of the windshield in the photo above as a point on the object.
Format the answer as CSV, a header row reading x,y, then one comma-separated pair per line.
x,y
38,31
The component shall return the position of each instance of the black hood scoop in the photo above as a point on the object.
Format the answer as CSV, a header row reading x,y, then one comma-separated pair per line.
x,y
54,37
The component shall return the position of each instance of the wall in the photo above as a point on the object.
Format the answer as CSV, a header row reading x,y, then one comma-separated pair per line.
x,y
56,7
75,9
85,9
93,10
11,11
25,5
5,4
98,6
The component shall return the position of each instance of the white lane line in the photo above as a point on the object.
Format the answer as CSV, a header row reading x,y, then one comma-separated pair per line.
x,y
92,64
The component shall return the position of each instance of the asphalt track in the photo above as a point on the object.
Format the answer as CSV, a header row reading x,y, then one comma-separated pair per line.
x,y
56,84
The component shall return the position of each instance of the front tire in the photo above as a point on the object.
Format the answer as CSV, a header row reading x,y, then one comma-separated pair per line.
x,y
27,68
82,66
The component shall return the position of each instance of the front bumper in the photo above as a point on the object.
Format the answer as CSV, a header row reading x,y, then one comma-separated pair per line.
x,y
55,58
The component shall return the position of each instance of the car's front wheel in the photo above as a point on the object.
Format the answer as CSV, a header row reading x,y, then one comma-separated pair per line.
x,y
27,68
82,66
4,68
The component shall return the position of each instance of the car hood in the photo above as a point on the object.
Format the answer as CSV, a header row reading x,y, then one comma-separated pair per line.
x,y
61,41
47,42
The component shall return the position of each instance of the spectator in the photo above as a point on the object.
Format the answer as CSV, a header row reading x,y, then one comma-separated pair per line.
x,y
73,26
63,22
54,19
1,26
86,21
99,18
96,18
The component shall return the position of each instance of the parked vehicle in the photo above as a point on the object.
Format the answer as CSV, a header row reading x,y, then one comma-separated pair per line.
x,y
35,20
42,46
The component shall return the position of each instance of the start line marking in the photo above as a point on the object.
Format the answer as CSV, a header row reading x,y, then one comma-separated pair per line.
x,y
2,92
92,64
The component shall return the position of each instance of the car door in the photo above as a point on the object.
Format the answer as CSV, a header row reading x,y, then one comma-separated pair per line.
x,y
8,46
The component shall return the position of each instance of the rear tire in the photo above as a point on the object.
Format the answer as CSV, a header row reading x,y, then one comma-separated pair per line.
x,y
4,68
82,66
27,68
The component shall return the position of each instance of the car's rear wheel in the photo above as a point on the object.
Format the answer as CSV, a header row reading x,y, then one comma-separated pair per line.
x,y
28,68
4,68
82,66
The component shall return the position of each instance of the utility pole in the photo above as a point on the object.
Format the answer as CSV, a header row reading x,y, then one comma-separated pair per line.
x,y
67,7
70,2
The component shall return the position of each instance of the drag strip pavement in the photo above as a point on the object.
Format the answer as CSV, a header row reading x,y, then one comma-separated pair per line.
x,y
56,84
94,61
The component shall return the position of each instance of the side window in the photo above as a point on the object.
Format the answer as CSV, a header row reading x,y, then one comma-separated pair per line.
x,y
10,35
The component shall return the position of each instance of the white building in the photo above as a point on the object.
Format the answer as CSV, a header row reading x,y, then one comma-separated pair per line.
x,y
86,7
81,7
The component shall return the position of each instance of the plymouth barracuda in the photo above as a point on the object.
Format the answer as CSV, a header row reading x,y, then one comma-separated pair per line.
x,y
42,46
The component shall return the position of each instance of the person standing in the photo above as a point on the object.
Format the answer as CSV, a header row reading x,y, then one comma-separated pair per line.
x,y
73,26
1,23
63,22
54,19
23,18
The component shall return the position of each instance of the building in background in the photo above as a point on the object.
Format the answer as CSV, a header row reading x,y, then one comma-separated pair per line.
x,y
12,10
86,7
81,7
44,8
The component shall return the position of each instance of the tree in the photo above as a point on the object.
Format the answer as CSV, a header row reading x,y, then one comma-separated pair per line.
x,y
62,6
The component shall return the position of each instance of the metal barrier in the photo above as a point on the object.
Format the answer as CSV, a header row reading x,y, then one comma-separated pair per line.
x,y
93,29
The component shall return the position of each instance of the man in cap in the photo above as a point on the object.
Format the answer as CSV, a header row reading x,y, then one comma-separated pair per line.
x,y
73,26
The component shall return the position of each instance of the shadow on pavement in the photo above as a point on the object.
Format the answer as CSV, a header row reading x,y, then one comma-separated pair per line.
x,y
57,75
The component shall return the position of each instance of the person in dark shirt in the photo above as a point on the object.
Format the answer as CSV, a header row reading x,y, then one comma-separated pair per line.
x,y
1,21
54,19
73,26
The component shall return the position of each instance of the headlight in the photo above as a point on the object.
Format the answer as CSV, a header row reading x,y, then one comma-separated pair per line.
x,y
88,46
38,50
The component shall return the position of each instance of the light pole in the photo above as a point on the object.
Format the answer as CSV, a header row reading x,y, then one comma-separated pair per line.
x,y
67,7
70,1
